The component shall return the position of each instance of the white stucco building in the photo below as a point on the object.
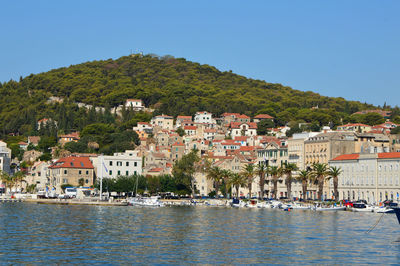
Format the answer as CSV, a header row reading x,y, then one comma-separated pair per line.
x,y
204,117
5,157
120,164
372,177
163,121
136,104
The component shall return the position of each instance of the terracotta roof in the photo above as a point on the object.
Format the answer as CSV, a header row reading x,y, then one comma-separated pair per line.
x,y
211,130
184,117
189,128
178,144
344,157
230,143
22,143
157,169
251,125
43,120
143,123
388,155
243,116
240,138
247,148
71,135
34,139
263,116
73,162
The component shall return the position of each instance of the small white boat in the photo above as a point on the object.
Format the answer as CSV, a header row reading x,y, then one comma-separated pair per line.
x,y
319,207
299,206
252,204
146,202
238,203
276,204
384,209
362,207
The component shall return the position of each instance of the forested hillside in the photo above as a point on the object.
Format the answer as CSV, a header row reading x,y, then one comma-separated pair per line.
x,y
171,86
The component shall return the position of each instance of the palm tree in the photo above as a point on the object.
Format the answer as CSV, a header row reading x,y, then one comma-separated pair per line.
x,y
304,178
334,172
215,174
237,180
248,172
261,171
7,179
288,169
319,172
275,173
19,178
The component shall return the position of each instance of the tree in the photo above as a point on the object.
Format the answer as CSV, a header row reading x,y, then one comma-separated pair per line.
x,y
7,179
373,119
226,175
46,143
261,171
288,169
248,172
304,178
293,130
180,131
19,178
185,168
264,125
334,173
215,174
319,173
395,131
81,182
237,180
275,173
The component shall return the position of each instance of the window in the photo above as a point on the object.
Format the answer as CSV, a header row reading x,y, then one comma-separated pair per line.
x,y
80,172
110,163
110,172
127,163
119,172
87,181
65,172
87,172
119,163
65,181
135,164
127,173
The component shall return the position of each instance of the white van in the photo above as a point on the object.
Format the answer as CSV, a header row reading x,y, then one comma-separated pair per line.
x,y
70,192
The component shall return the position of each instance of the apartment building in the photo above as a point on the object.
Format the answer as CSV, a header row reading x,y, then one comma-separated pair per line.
x,y
371,177
120,164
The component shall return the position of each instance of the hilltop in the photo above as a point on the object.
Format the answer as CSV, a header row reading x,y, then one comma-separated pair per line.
x,y
170,85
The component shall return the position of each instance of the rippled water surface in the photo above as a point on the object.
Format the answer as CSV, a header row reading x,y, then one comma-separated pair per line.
x,y
51,234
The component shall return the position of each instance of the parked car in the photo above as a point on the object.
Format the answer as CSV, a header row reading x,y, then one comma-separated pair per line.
x,y
70,192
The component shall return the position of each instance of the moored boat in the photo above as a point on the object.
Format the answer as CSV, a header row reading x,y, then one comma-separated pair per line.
x,y
319,207
361,207
397,212
146,202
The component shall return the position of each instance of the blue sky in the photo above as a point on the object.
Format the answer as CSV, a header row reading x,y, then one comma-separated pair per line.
x,y
336,48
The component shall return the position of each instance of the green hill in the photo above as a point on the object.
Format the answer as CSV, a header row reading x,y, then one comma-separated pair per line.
x,y
171,86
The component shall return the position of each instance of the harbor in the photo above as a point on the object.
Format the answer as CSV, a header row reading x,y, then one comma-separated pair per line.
x,y
83,234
